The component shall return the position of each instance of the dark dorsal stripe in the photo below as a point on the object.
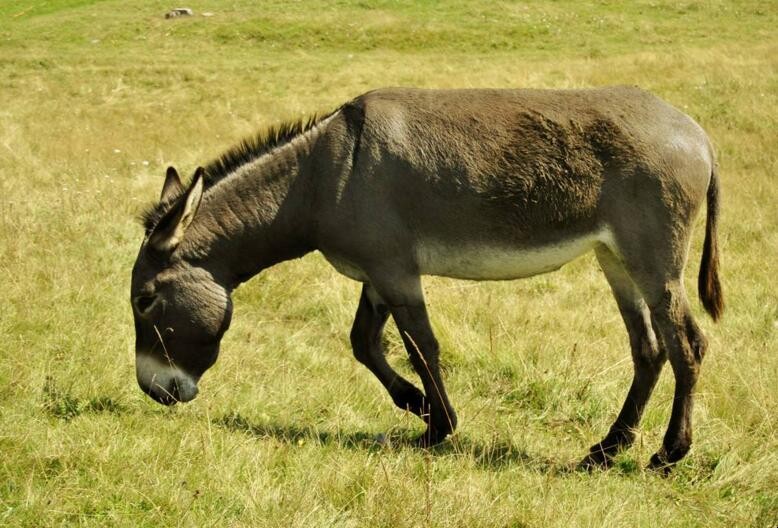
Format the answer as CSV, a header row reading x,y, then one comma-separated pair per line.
x,y
244,152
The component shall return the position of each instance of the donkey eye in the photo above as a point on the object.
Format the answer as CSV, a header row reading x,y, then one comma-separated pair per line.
x,y
144,302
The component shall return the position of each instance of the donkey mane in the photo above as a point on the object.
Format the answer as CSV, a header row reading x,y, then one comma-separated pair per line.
x,y
248,150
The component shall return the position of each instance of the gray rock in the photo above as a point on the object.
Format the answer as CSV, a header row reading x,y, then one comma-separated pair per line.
x,y
178,12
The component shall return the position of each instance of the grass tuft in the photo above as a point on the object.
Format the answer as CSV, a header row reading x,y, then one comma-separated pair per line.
x,y
59,403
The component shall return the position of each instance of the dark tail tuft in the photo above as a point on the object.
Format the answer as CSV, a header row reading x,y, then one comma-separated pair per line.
x,y
708,282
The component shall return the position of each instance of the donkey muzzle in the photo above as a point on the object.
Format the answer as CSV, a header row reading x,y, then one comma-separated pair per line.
x,y
164,383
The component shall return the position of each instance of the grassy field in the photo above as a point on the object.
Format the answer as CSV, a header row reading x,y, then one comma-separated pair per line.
x,y
98,97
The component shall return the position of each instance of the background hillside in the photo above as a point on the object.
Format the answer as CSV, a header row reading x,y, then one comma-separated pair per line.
x,y
98,97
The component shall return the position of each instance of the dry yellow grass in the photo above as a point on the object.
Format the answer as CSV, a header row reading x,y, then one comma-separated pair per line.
x,y
97,98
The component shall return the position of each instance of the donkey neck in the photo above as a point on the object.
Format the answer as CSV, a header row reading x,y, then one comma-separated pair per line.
x,y
257,216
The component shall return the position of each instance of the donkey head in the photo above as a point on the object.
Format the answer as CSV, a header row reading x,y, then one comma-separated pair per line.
x,y
181,312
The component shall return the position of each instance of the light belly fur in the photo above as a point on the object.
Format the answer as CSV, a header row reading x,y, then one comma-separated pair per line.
x,y
483,262
475,262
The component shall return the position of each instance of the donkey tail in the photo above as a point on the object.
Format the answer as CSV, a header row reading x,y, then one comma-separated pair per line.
x,y
708,282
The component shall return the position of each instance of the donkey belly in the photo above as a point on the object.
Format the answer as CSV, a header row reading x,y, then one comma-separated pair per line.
x,y
475,261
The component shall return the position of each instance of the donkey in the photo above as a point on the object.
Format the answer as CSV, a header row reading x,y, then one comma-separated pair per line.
x,y
470,184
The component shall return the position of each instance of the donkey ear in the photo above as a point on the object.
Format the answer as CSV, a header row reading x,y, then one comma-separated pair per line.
x,y
172,186
170,230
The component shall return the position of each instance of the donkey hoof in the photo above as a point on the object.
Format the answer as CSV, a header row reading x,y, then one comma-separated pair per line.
x,y
601,454
595,460
430,437
660,464
664,460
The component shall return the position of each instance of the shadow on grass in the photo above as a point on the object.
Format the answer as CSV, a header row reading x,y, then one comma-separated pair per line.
x,y
497,455
294,434
494,455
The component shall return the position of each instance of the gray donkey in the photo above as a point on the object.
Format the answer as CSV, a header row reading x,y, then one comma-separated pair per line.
x,y
471,184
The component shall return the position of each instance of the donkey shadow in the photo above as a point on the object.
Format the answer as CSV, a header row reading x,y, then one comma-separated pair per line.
x,y
294,434
494,455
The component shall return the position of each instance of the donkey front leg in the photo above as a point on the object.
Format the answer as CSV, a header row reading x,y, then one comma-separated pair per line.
x,y
405,300
366,342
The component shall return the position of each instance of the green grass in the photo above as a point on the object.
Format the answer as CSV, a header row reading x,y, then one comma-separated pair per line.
x,y
97,98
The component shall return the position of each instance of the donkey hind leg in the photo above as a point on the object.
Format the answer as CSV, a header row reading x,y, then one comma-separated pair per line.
x,y
686,346
405,299
648,360
366,342
660,280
